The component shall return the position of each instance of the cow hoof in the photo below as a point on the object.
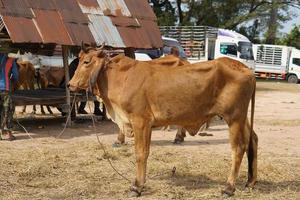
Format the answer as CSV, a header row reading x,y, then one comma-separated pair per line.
x,y
248,189
249,186
116,145
177,141
132,194
226,196
228,192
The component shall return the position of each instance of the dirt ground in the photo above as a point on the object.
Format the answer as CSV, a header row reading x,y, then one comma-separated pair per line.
x,y
74,166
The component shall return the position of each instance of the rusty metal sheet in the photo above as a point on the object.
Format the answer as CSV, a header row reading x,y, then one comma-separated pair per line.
x,y
75,17
114,8
152,32
140,9
22,29
80,33
16,8
52,27
134,38
89,3
90,7
71,5
103,30
42,4
147,36
125,21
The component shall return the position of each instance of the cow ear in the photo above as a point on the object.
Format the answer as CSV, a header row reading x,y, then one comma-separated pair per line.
x,y
101,54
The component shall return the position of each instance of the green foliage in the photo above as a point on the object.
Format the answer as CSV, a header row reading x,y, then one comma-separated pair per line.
x,y
164,11
292,38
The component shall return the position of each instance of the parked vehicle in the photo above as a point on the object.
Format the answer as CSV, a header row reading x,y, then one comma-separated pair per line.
x,y
278,62
202,43
168,44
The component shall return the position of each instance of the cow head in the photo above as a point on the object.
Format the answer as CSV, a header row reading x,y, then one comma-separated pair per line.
x,y
92,61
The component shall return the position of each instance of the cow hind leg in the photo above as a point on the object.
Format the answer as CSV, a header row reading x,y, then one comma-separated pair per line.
x,y
239,139
120,139
180,135
142,136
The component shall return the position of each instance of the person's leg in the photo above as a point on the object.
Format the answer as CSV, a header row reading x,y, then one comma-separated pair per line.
x,y
8,113
1,115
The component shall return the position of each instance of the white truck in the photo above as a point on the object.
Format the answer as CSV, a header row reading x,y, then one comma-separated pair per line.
x,y
202,43
277,62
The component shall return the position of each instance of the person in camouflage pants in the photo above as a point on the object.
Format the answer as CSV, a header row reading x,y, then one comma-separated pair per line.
x,y
8,75
7,110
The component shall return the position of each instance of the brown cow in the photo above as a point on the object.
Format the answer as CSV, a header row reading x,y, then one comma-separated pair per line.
x,y
51,77
26,78
167,61
139,96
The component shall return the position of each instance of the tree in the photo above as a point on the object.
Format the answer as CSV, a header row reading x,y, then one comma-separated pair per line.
x,y
164,11
292,38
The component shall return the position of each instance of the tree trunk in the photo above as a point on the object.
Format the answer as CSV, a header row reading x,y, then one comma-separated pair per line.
x,y
272,24
179,12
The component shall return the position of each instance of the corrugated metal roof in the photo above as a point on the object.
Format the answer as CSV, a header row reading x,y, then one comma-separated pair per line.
x,y
140,9
15,25
103,29
118,23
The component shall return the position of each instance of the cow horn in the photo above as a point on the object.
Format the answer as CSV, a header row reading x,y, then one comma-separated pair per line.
x,y
101,47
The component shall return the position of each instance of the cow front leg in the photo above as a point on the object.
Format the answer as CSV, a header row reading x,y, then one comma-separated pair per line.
x,y
239,139
142,136
180,135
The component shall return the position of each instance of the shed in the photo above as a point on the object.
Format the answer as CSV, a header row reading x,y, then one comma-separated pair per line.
x,y
40,26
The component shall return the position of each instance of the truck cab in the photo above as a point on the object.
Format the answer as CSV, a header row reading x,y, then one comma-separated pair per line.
x,y
230,44
293,75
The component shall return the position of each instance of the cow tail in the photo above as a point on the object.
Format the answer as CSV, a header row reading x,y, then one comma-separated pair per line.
x,y
252,109
251,148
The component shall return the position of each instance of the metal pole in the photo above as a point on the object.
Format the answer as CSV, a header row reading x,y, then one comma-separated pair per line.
x,y
65,55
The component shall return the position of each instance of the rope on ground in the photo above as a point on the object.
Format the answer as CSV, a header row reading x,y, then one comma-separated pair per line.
x,y
68,118
102,145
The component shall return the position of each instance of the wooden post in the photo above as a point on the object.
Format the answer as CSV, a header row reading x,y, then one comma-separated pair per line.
x,y
65,55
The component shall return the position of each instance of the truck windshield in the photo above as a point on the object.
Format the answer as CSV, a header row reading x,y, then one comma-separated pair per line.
x,y
246,51
228,49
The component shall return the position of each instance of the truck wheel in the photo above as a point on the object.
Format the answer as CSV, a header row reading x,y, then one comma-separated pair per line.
x,y
293,78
